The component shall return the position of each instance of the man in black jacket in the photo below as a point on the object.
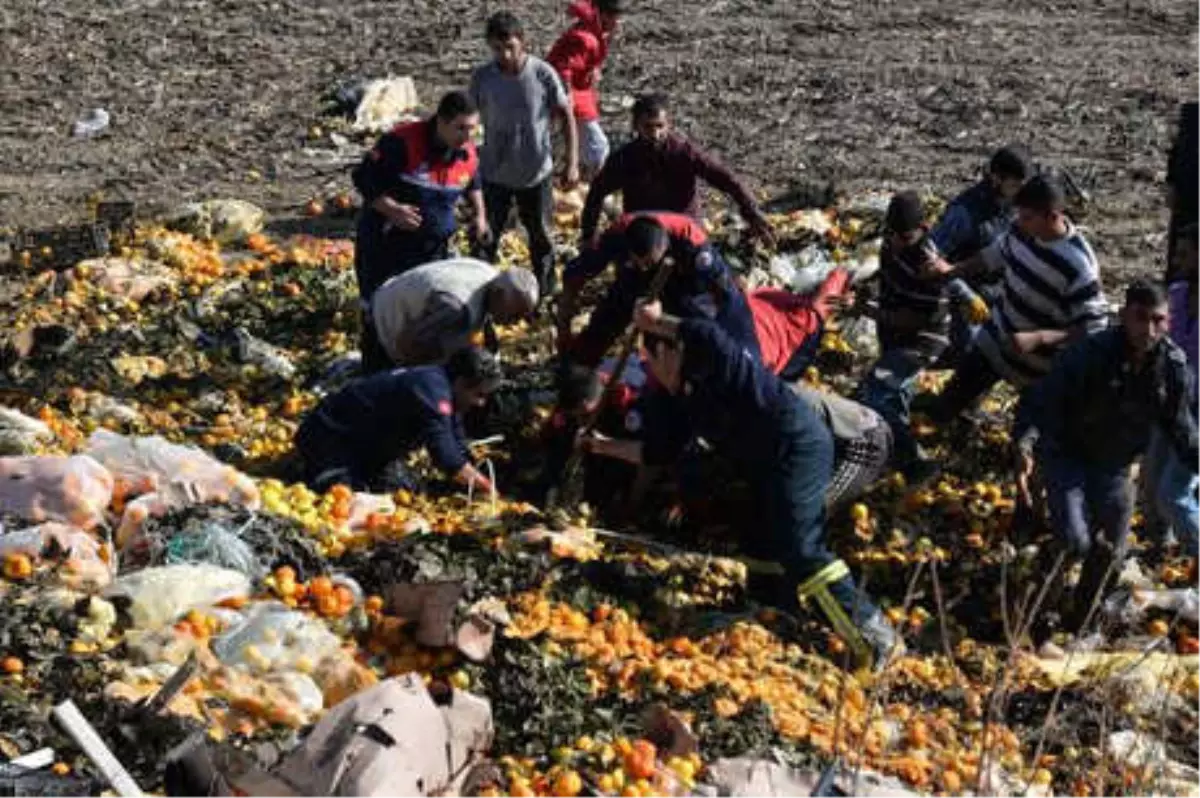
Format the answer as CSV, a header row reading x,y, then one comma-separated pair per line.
x,y
1092,417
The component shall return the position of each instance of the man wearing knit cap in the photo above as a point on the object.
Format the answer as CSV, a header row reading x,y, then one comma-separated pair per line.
x,y
427,314
913,323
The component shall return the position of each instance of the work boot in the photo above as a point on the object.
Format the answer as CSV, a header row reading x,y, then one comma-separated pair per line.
x,y
881,636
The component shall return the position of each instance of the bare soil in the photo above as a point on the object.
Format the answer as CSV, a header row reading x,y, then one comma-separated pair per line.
x,y
217,97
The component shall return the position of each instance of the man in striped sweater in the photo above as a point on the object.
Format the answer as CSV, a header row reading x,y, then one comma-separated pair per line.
x,y
1051,295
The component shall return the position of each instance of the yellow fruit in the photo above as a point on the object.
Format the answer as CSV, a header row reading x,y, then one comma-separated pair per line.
x,y
459,680
1042,777
859,513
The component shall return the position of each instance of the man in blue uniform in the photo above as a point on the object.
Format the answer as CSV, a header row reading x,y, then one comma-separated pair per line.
x,y
720,392
411,182
700,284
1093,416
360,436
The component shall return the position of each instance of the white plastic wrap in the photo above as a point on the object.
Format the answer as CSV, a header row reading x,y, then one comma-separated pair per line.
x,y
76,490
161,595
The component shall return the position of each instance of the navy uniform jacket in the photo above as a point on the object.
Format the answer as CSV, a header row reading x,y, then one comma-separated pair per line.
x,y
700,286
383,417
1093,406
726,396
409,165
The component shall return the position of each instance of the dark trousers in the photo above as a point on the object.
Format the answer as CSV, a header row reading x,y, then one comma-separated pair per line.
x,y
379,255
328,462
792,479
374,357
534,206
1090,508
972,379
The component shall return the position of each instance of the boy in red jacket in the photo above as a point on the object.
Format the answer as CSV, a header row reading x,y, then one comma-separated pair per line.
x,y
578,55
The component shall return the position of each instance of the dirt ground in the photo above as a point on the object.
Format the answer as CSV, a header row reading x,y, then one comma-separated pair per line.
x,y
216,97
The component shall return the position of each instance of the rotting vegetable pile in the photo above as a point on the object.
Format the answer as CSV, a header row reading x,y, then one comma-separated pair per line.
x,y
205,529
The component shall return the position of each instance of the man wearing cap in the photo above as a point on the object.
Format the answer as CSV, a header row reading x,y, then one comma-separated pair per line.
x,y
361,435
726,396
913,324
430,312
700,284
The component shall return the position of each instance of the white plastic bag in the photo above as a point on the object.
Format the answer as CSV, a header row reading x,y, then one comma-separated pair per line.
x,y
161,595
32,541
275,638
72,489
172,476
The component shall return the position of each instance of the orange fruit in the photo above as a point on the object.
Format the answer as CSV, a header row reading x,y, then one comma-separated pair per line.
x,y
1158,628
285,572
320,587
327,605
314,207
60,768
374,604
345,597
12,665
343,202
17,566
640,761
1188,645
568,783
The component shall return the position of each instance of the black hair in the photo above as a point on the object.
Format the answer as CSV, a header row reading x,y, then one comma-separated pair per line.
x,y
613,7
649,105
1190,233
1042,193
905,213
502,26
644,235
577,386
455,104
475,365
1145,293
1012,161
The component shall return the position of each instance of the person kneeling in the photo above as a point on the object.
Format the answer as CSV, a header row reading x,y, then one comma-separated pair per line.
x,y
361,435
784,446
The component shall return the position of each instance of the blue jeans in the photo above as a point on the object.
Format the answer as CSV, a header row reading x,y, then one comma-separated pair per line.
x,y
1171,490
792,478
888,389
1082,496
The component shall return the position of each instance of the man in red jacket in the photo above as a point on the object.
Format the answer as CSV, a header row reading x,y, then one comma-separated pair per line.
x,y
579,55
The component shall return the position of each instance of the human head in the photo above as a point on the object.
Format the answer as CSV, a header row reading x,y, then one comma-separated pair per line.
x,y
647,241
506,37
579,389
513,295
1186,265
474,374
1144,316
905,219
664,358
457,117
609,13
650,120
1008,170
1040,208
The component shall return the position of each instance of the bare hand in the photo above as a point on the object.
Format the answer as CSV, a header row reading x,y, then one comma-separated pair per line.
x,y
1024,468
1026,342
570,178
406,217
483,233
647,314
938,266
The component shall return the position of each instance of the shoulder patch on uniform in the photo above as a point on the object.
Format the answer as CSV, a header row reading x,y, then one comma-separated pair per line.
x,y
633,421
704,259
445,408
